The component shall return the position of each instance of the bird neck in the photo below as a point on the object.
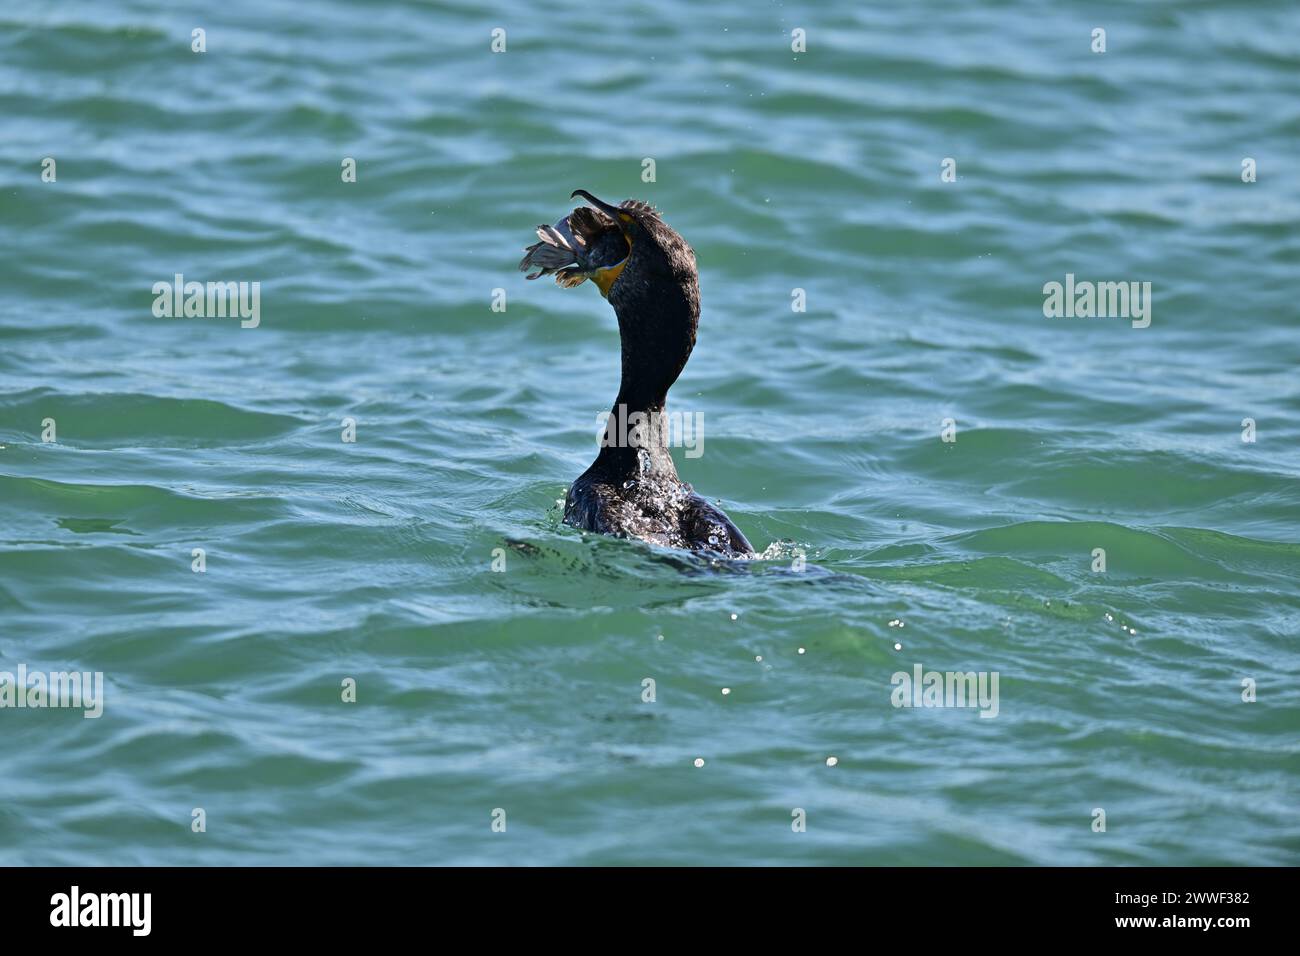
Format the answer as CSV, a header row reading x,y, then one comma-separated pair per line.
x,y
635,442
656,344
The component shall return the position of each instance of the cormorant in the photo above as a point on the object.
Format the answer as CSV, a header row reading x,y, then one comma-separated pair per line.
x,y
647,272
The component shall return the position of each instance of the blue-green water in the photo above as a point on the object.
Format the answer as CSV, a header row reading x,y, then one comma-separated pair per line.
x,y
521,689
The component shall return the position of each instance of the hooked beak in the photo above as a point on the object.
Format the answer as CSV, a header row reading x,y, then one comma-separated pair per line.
x,y
618,215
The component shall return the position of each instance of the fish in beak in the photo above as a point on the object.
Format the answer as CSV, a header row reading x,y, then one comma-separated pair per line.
x,y
588,243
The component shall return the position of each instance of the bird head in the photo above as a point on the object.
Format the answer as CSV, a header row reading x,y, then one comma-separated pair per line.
x,y
656,253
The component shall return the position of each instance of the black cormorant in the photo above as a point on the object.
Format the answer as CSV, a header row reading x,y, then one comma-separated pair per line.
x,y
647,272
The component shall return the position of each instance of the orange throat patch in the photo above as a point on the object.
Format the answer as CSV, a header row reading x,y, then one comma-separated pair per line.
x,y
605,278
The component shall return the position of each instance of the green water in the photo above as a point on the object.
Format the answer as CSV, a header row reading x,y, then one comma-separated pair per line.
x,y
521,689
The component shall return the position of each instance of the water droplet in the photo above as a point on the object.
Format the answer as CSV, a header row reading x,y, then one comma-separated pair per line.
x,y
734,616
898,647
699,761
801,650
758,659
832,761
726,691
